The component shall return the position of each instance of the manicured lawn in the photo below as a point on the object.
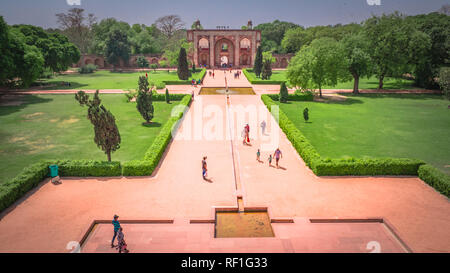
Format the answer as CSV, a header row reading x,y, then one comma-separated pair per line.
x,y
56,127
375,125
105,79
364,83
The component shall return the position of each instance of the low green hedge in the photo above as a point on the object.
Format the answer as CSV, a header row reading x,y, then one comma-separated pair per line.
x,y
435,178
172,97
369,166
17,187
82,168
253,80
182,82
337,167
306,96
156,150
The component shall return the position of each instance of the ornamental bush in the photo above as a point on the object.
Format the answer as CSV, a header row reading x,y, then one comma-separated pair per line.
x,y
435,178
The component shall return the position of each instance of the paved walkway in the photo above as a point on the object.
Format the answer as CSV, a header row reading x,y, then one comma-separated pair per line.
x,y
51,216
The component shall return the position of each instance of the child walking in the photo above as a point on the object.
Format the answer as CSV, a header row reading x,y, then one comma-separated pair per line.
x,y
258,154
270,160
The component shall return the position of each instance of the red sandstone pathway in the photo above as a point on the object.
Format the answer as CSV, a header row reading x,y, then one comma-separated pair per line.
x,y
51,216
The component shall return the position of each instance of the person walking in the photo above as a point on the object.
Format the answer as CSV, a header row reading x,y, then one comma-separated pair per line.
x,y
263,127
204,168
277,154
192,93
258,154
247,133
270,160
116,225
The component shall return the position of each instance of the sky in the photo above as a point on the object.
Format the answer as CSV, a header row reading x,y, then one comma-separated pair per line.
x,y
212,13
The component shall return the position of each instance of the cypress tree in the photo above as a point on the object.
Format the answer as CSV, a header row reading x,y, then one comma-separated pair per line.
x,y
167,96
107,136
267,70
183,69
306,114
144,100
257,68
283,92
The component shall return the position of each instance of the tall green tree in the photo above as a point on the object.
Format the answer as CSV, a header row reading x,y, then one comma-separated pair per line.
x,y
284,94
117,47
444,81
321,63
272,34
183,69
107,136
388,45
59,54
355,47
267,69
144,100
257,67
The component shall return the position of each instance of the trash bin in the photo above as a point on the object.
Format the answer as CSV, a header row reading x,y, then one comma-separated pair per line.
x,y
53,170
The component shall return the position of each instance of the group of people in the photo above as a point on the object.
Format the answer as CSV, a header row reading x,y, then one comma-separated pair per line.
x,y
277,155
211,74
118,232
195,82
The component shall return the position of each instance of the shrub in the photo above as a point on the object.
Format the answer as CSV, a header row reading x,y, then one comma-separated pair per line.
x,y
90,68
142,62
306,114
283,96
83,168
137,168
17,187
435,178
306,96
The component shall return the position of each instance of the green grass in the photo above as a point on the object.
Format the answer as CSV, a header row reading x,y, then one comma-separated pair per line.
x,y
56,127
364,83
376,125
105,79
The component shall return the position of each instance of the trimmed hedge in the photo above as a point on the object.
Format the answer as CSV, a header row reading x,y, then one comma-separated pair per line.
x,y
253,80
435,178
172,97
306,96
369,166
156,150
82,168
337,167
17,187
182,82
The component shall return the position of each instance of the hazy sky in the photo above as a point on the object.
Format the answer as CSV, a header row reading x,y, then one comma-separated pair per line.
x,y
232,13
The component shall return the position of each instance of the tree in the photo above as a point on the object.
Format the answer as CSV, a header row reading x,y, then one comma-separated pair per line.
x,y
283,93
169,24
258,62
306,114
117,47
144,100
18,60
183,70
167,96
444,81
107,136
294,39
78,27
267,69
101,32
59,54
196,25
437,27
355,47
142,62
272,34
321,63
388,44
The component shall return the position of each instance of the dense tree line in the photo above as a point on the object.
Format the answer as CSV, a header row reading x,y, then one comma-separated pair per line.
x,y
28,51
391,45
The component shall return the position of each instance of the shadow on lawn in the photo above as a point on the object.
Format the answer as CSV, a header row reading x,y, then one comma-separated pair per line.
x,y
151,124
57,85
393,95
22,100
